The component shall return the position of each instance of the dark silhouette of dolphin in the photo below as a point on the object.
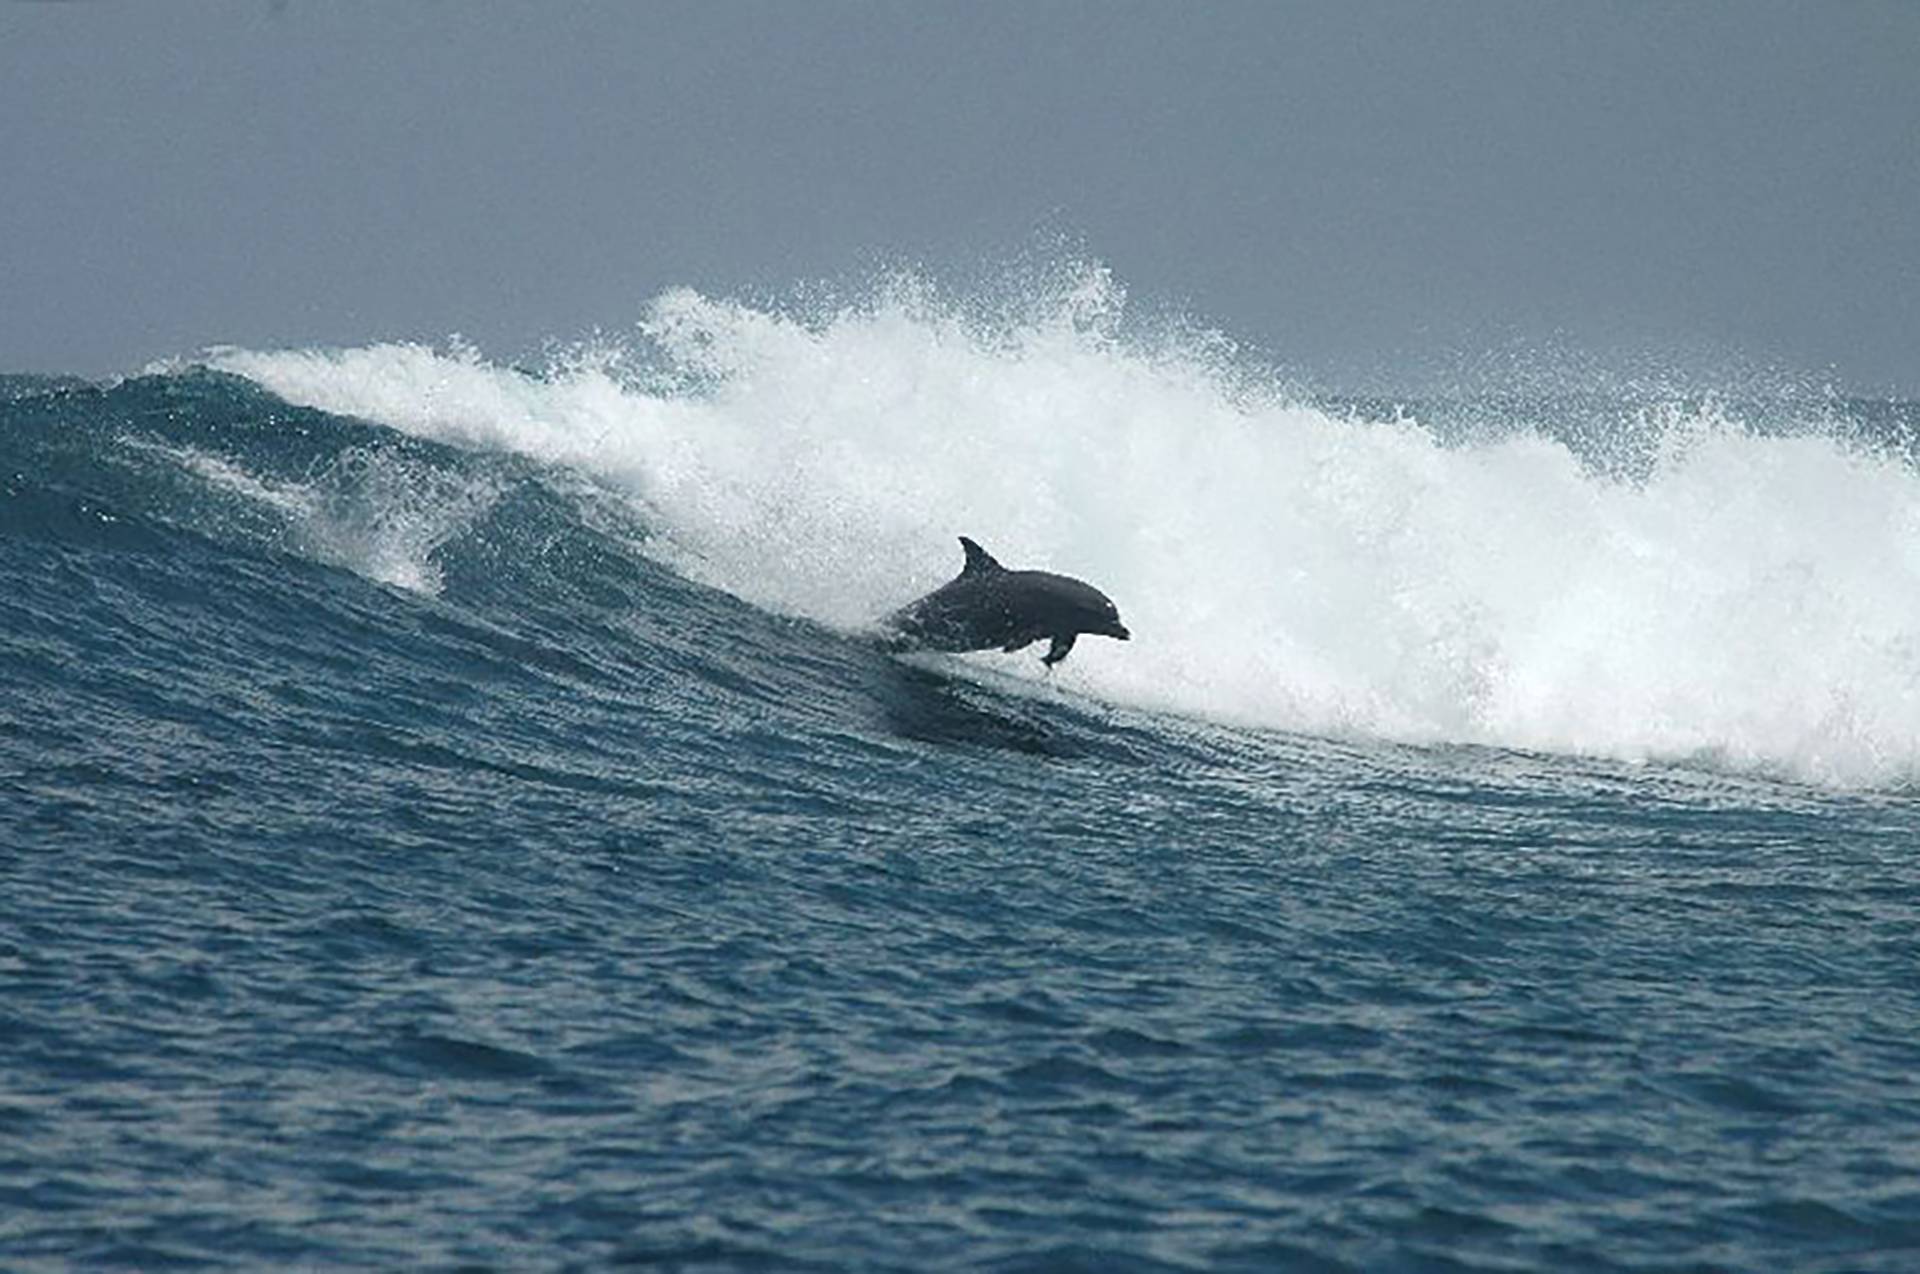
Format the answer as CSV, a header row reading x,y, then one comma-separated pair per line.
x,y
989,605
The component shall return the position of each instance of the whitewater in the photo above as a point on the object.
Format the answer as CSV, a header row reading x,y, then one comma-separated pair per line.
x,y
1688,585
455,815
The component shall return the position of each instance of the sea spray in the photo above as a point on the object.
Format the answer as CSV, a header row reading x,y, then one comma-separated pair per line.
x,y
370,511
1741,597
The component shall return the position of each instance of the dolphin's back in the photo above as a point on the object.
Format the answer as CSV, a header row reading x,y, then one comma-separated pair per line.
x,y
969,613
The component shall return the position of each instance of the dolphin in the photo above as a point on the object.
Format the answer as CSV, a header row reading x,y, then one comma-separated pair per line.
x,y
989,605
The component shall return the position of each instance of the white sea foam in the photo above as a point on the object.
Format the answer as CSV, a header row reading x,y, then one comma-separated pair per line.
x,y
370,512
1753,600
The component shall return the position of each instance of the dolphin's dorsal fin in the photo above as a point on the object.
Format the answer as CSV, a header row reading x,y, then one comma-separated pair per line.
x,y
978,559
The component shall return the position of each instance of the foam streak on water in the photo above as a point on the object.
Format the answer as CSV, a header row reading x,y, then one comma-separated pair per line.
x,y
367,511
1750,599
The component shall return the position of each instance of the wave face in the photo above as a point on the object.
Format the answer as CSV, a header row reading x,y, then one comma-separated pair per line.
x,y
1638,580
454,817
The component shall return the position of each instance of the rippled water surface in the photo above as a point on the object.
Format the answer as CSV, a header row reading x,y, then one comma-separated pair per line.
x,y
402,867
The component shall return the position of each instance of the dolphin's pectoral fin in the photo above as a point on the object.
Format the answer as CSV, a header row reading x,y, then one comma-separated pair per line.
x,y
1058,651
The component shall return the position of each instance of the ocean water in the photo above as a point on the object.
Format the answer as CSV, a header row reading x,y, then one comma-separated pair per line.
x,y
454,816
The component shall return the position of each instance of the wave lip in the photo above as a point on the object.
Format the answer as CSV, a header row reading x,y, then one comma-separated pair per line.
x,y
1745,598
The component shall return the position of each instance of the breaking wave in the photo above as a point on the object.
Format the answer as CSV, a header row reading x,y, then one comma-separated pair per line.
x,y
1669,579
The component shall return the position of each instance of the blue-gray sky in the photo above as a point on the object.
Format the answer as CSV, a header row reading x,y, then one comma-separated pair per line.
x,y
1367,190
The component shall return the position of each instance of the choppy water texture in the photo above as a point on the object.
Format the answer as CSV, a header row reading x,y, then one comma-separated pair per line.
x,y
451,817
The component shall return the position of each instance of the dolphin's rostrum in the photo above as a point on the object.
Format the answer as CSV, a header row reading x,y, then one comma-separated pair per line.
x,y
989,605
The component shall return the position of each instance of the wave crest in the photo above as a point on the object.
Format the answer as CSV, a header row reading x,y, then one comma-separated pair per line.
x,y
1744,595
